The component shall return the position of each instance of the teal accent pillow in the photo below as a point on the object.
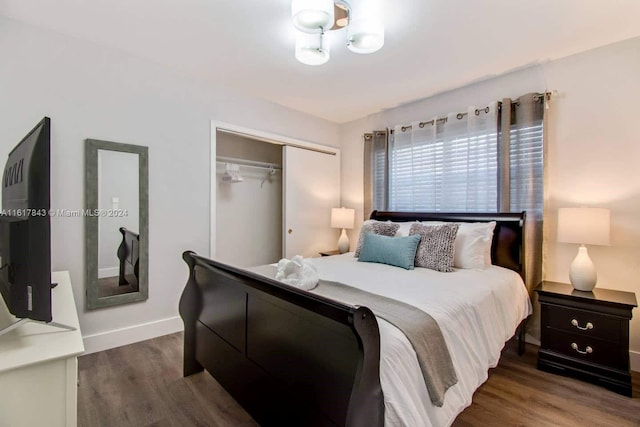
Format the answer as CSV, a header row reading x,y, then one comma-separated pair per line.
x,y
396,251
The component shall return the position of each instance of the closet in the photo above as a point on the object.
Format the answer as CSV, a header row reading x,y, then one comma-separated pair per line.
x,y
272,199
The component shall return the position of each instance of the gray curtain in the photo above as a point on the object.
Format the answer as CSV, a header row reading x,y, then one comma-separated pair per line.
x,y
521,179
375,171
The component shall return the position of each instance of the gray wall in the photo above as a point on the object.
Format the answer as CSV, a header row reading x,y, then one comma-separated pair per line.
x,y
90,91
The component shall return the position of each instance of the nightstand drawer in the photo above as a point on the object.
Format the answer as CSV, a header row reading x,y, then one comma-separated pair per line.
x,y
585,323
587,349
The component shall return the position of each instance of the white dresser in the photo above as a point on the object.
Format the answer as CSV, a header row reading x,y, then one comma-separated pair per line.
x,y
39,366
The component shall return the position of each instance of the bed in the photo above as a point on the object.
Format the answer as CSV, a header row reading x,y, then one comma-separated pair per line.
x,y
291,357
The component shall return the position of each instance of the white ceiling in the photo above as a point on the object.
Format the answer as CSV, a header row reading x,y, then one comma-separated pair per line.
x,y
431,45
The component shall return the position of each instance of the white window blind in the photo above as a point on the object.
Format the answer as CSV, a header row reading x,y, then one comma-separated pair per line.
x,y
450,166
526,167
415,175
453,164
379,180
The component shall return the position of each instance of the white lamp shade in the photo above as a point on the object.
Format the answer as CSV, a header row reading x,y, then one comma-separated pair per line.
x,y
365,33
312,16
342,218
585,226
312,49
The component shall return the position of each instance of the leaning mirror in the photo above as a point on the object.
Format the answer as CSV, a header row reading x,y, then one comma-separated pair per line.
x,y
116,223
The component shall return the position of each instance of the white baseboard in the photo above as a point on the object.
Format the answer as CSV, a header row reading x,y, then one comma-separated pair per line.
x,y
132,334
634,358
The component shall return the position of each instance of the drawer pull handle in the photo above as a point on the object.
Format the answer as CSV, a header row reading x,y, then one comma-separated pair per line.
x,y
587,350
575,323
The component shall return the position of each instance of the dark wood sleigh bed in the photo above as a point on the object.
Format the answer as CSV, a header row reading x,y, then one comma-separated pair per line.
x,y
291,357
129,258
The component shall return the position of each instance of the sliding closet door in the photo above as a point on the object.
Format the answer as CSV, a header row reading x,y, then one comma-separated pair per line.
x,y
311,189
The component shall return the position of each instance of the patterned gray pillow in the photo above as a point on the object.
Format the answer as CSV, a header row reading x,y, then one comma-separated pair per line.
x,y
437,243
383,228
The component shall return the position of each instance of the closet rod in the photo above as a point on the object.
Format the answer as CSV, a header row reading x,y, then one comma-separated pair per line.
x,y
250,163
273,141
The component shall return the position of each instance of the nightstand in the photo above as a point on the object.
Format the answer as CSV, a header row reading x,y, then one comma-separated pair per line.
x,y
586,334
329,253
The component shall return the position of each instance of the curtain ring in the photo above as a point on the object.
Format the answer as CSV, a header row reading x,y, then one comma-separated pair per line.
x,y
421,125
404,128
485,109
459,116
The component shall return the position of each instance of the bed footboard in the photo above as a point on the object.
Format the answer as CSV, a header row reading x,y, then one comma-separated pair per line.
x,y
287,356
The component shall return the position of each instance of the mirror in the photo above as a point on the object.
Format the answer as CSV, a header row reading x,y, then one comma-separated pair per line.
x,y
116,223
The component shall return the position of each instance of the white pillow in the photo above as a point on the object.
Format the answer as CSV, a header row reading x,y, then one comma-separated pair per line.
x,y
473,242
404,229
473,245
487,253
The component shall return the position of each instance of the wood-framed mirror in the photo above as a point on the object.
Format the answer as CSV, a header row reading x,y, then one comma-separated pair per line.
x,y
116,223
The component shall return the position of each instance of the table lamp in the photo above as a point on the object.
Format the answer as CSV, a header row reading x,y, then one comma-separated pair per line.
x,y
585,226
342,218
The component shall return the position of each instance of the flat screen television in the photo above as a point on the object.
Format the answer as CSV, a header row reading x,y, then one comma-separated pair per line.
x,y
25,227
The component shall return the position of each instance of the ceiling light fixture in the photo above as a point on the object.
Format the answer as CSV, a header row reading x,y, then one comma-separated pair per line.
x,y
312,49
312,18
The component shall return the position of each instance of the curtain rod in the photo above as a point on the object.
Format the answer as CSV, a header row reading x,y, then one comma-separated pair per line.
x,y
249,163
368,136
459,116
536,97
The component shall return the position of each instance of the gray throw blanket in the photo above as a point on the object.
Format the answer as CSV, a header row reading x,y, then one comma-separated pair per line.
x,y
420,328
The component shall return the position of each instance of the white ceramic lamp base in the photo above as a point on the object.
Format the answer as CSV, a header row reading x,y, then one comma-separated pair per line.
x,y
582,272
343,242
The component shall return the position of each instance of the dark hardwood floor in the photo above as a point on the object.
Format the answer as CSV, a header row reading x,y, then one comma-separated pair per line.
x,y
109,286
142,385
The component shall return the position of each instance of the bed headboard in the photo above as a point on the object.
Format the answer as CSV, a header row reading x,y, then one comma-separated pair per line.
x,y
507,248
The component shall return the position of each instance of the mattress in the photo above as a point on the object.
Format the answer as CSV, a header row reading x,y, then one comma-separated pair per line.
x,y
477,311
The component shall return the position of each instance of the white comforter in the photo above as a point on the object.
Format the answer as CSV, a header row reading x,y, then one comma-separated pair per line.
x,y
477,312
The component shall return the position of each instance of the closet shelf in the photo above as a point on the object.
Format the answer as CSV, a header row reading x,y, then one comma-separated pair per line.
x,y
248,163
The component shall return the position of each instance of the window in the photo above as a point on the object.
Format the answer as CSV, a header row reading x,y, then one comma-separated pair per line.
x,y
379,179
443,171
448,164
454,164
484,160
526,168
